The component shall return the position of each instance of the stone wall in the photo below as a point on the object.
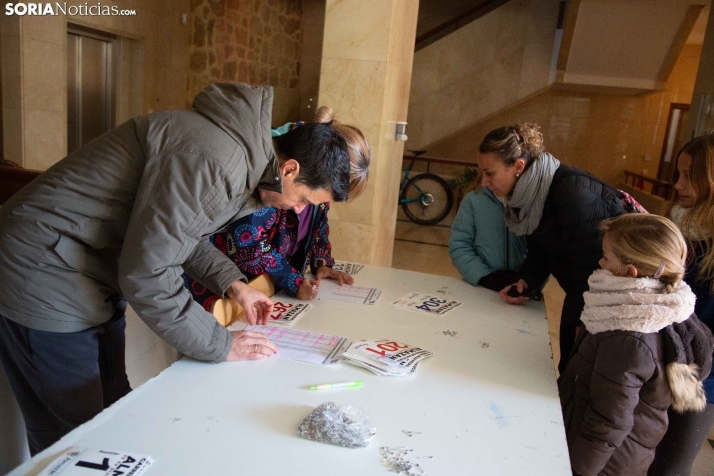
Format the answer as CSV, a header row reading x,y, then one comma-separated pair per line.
x,y
252,41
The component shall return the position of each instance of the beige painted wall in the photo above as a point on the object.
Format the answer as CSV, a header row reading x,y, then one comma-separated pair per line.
x,y
368,50
602,133
481,69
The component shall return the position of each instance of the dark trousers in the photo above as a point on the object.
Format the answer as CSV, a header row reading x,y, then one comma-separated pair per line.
x,y
682,443
62,380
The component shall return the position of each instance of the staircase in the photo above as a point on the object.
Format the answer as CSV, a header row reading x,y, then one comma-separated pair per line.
x,y
522,48
592,56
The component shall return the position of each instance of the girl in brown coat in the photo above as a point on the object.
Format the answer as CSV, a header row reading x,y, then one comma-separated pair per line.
x,y
641,350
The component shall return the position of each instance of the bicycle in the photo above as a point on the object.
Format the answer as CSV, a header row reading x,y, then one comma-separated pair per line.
x,y
425,198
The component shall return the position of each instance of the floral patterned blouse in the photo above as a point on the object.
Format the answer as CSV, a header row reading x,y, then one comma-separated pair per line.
x,y
264,243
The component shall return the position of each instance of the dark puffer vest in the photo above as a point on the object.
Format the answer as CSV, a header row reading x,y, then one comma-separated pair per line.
x,y
568,242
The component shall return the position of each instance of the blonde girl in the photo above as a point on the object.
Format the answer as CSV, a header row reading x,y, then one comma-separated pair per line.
x,y
639,353
693,212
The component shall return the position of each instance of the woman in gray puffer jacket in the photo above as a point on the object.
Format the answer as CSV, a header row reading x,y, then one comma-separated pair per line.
x,y
642,350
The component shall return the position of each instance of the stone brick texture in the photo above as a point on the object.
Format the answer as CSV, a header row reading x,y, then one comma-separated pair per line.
x,y
252,41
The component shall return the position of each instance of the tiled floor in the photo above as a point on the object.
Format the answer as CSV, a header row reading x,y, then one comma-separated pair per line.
x,y
426,251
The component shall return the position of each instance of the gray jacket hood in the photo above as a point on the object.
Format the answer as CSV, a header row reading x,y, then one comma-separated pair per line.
x,y
223,103
127,214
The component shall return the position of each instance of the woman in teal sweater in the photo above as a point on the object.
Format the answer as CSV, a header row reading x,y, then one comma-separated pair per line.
x,y
482,248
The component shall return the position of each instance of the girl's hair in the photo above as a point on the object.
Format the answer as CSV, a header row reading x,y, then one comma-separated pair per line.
x,y
357,146
701,215
647,241
522,141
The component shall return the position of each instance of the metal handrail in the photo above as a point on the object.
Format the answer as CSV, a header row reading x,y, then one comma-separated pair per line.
x,y
484,7
437,160
659,187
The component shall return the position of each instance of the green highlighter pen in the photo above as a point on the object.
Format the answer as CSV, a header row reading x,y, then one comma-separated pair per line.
x,y
328,386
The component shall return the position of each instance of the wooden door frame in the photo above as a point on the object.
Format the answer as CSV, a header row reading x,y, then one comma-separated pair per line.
x,y
672,107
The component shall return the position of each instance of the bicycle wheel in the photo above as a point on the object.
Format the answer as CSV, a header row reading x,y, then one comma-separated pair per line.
x,y
426,199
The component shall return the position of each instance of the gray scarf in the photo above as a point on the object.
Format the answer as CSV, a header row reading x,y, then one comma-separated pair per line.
x,y
524,208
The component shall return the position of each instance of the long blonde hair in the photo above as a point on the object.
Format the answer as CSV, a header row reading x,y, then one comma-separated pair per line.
x,y
646,242
360,155
701,214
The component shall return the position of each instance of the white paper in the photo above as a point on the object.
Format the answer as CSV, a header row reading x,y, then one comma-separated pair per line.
x,y
330,289
385,357
305,346
78,461
426,303
379,370
287,312
347,267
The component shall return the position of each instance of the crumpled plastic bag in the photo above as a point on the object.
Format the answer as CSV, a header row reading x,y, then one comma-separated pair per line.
x,y
341,425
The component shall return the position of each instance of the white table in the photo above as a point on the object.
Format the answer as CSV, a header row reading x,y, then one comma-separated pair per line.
x,y
486,403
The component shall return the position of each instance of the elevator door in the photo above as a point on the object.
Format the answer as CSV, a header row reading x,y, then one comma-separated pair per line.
x,y
89,98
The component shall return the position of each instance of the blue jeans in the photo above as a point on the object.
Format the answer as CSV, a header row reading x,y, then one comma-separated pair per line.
x,y
62,380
